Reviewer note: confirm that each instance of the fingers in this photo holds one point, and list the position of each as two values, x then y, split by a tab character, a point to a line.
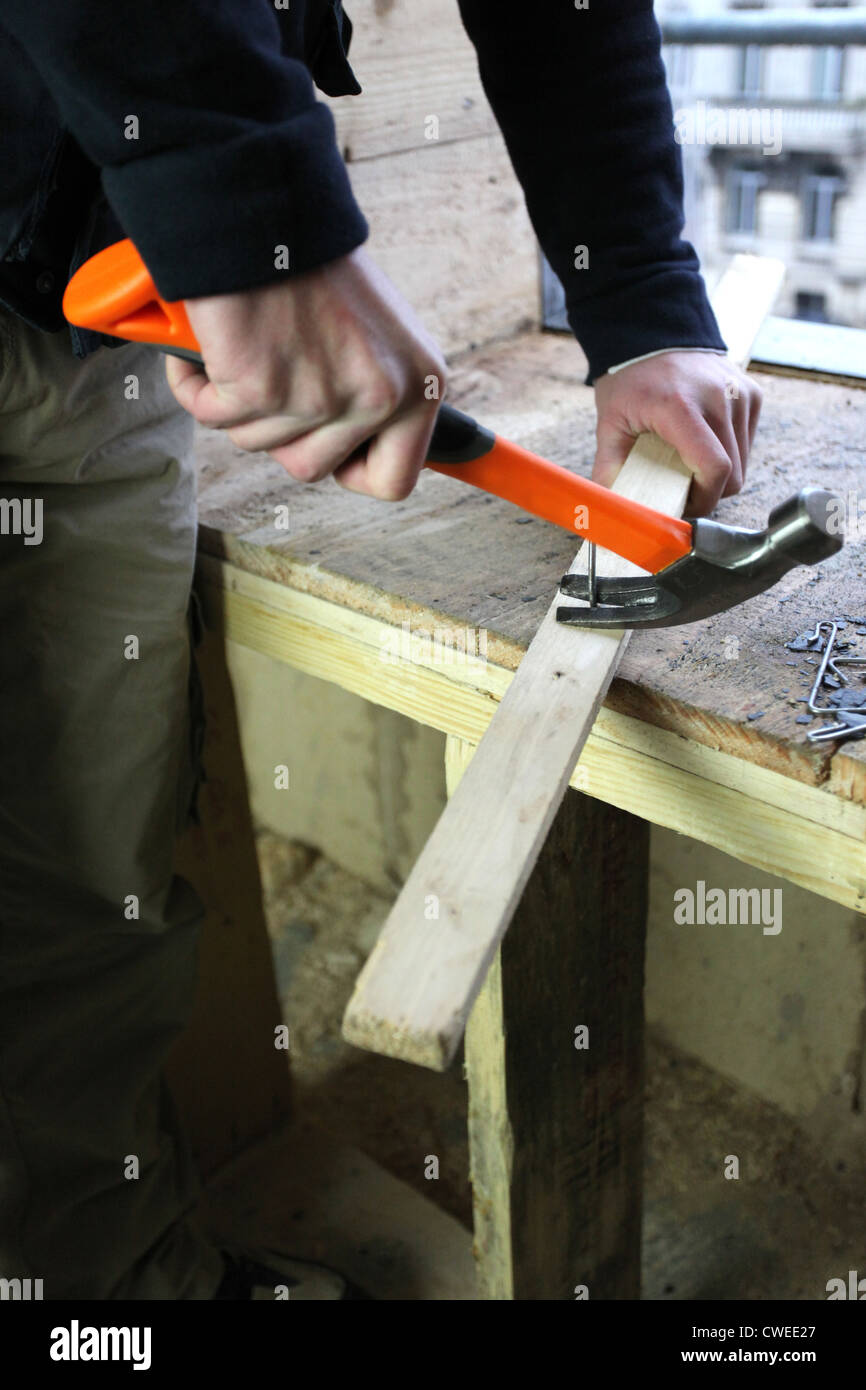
708	446
235	404
313	456
739	420
213	405
375	453
393	459
734	424
705	407
745	407
327	371
719	486
712	456
185	380
756	396
378	462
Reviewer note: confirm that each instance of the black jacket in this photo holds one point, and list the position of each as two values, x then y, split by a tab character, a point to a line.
192	126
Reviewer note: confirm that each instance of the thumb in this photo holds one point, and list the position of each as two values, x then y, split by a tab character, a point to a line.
185	379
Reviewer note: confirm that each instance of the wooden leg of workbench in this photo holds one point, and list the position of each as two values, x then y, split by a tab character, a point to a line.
556	1115
230	1079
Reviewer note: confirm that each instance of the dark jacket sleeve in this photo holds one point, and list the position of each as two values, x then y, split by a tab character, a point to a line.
581	99
213	149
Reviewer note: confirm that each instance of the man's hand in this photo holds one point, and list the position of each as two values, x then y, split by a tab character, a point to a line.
699	402
328	372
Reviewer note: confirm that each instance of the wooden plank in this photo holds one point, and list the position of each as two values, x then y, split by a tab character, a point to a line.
742	299
308	1193
413	996
770	834
555	1130
801	824
411	65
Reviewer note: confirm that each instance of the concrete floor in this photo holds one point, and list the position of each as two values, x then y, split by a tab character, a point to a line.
793	1219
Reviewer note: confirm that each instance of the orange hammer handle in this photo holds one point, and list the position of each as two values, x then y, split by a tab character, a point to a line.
648	538
113	293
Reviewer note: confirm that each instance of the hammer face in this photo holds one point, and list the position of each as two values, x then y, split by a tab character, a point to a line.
726	566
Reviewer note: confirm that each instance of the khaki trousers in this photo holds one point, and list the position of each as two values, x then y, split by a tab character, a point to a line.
97	936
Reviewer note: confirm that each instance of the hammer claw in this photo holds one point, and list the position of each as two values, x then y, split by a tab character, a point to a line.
629	589
726	566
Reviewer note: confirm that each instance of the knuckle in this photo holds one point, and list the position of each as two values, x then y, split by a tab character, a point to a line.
645	393
379	397
668	396
304	473
318	407
260	396
716	468
303	470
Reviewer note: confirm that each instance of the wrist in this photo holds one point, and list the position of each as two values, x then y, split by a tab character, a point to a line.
662	352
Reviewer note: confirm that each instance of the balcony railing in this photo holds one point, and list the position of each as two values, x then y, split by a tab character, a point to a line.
780	26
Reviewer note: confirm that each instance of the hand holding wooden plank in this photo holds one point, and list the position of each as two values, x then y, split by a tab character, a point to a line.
413	997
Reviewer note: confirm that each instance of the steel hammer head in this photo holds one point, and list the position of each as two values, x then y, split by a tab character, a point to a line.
725	566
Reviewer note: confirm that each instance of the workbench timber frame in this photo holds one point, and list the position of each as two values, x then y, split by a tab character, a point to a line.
750	812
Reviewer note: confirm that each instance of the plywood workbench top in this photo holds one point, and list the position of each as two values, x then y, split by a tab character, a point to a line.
456	557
